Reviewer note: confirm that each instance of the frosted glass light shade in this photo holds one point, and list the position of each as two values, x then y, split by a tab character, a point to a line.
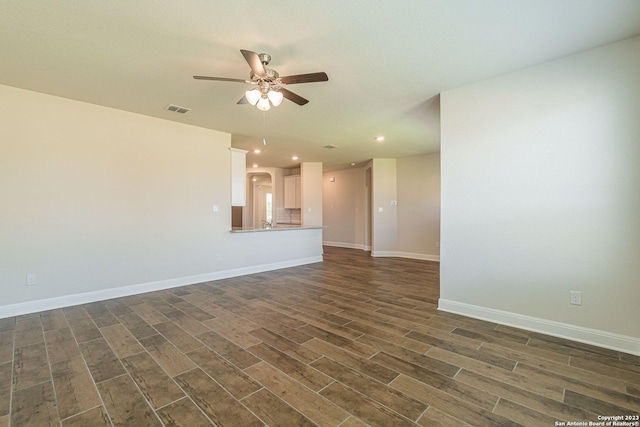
252	96
275	98
263	104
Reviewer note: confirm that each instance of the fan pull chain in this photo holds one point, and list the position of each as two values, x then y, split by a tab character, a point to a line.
264	121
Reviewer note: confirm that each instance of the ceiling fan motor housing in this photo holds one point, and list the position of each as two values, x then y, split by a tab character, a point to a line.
265	58
270	74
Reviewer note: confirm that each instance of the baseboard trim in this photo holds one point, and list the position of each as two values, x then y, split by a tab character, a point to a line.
89	297
344	245
424	257
396	254
360	246
590	336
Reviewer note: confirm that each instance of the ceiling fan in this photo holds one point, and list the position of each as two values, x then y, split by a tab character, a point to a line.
270	88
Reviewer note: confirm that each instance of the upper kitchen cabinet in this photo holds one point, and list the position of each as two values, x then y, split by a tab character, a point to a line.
292	199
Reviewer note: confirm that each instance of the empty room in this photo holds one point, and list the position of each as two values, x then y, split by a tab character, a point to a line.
362	213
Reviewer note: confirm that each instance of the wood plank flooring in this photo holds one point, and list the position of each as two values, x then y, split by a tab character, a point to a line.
353	341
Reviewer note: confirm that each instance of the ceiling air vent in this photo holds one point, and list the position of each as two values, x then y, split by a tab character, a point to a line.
330	146
177	109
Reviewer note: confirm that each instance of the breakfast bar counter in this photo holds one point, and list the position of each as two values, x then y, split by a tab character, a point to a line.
279	227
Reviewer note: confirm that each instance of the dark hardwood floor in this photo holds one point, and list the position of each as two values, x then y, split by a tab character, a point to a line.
352	341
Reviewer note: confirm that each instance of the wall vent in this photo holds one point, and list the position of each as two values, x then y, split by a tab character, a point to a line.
177	109
330	146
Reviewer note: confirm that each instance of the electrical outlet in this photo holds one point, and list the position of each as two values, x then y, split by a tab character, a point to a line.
32	279
576	297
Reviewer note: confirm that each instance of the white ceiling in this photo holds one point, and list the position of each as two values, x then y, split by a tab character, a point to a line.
387	61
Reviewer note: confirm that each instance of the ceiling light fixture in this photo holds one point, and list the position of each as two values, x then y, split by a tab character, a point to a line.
294	158
275	97
380	138
269	86
264	97
255	166
257	151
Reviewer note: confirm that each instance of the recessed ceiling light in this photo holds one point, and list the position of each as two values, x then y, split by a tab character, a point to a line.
380	138
352	164
255	165
257	151
294	158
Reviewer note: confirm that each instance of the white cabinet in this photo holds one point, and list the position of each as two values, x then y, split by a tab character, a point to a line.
292	192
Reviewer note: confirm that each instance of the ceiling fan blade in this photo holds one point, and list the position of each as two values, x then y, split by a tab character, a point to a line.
220	79
242	100
305	78
293	97
254	62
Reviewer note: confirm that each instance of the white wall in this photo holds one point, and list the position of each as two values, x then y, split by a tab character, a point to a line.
419	206
311	193
99	202
385	215
541	196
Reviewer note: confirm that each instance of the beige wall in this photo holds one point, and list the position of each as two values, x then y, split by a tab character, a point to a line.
419	206
409	229
344	208
541	194
99	202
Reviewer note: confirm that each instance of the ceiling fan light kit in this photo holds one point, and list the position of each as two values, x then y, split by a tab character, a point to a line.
253	96
263	104
264	99
270	89
275	97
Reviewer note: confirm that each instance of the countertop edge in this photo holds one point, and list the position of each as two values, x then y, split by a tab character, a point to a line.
259	230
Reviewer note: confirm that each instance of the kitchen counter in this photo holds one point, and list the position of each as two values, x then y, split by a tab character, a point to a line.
278	227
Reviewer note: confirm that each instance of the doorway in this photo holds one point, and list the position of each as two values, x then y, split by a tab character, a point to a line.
263	203
260	200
